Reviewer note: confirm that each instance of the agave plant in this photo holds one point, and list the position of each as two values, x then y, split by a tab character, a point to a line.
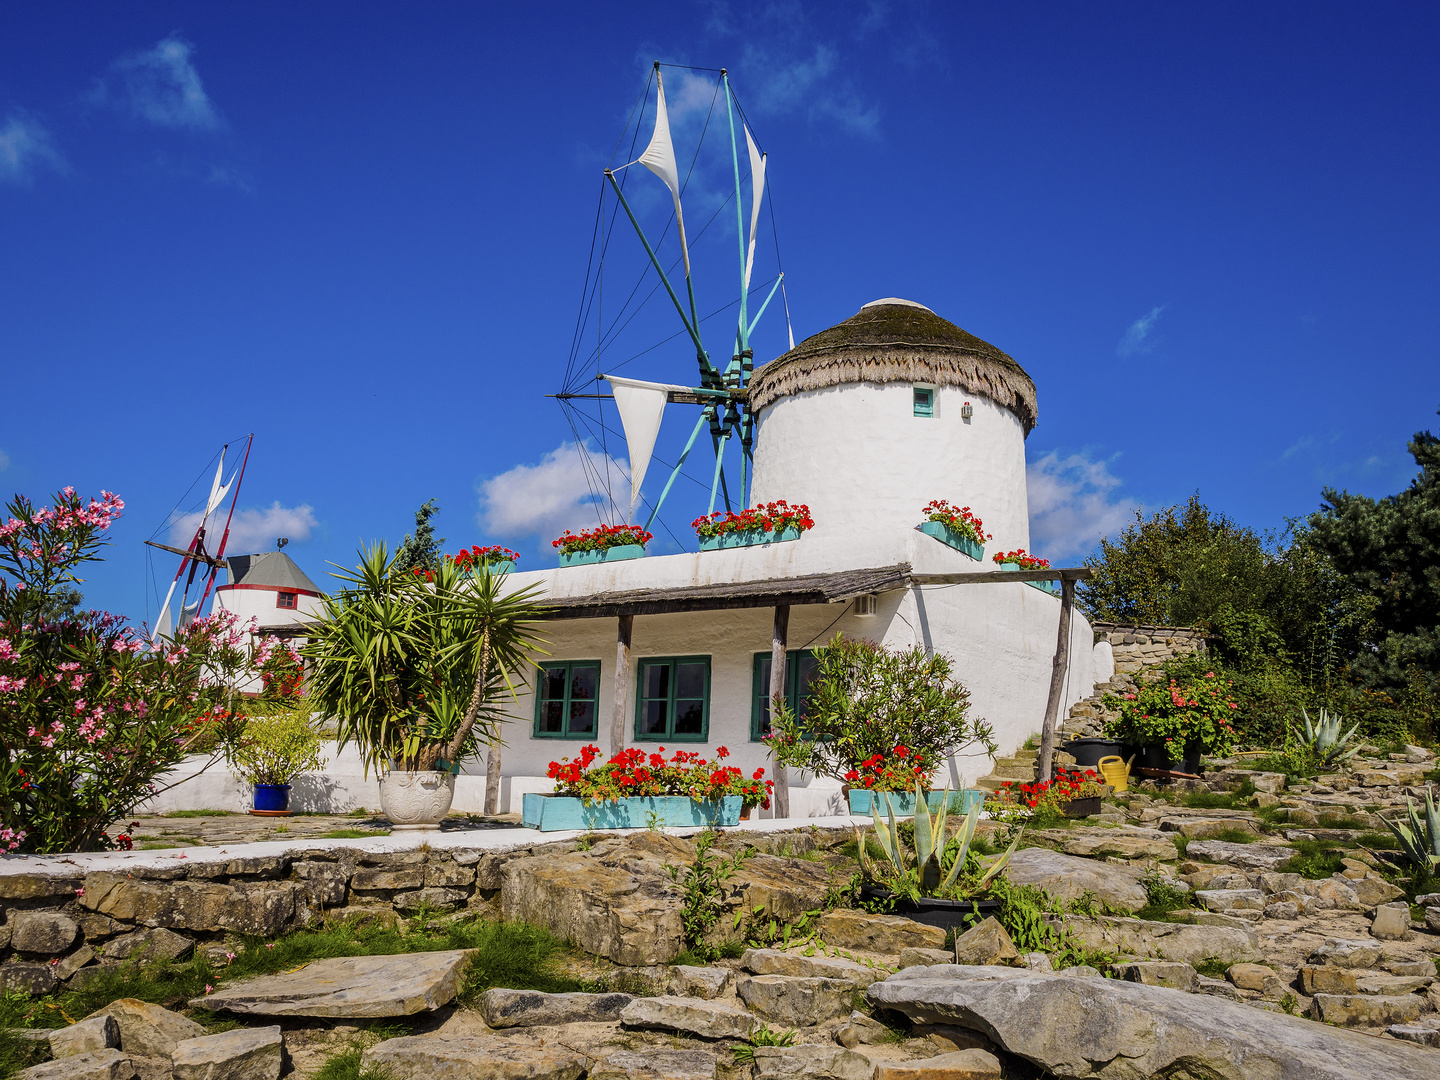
926	875
1419	842
1325	740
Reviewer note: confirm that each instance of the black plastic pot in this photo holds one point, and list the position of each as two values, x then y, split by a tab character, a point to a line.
1082	808
1158	757
1088	752
958	915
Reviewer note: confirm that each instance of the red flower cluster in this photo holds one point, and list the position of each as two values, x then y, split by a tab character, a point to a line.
477	556
1068	784
767	517
601	538
961	521
901	771
633	772
1023	559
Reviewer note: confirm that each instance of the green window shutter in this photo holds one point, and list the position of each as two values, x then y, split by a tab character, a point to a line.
567	700
924	401
672	699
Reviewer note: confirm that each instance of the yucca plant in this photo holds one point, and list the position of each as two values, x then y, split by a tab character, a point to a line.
1325	741
1420	842
926	875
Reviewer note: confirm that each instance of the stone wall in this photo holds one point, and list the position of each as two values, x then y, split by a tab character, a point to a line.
1135	647
63	924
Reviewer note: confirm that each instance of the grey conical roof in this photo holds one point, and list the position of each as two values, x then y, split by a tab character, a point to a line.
272	568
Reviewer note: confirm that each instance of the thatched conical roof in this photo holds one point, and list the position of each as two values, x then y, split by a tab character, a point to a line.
897	340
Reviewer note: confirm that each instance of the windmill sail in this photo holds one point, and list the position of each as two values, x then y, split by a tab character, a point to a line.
757	182
641	406
659	158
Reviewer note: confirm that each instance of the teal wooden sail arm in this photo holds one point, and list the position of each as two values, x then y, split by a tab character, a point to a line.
689	445
773	289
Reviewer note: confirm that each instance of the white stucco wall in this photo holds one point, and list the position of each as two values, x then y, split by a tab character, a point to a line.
863	462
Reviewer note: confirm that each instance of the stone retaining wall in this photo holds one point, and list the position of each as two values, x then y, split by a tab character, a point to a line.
64	925
1141	646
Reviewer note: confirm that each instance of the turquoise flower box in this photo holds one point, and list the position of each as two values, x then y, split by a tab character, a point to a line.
614	554
499	566
903	802
726	541
1048	587
959	541
553	813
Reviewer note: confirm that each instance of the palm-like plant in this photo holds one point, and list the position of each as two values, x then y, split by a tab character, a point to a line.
1325	741
1420	842
414	666
926	875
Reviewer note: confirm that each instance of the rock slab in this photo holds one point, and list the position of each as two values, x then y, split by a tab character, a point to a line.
355	986
972	1064
811	1063
1069	877
707	1019
795	1002
95	1033
655	1065
149	1030
96	1065
241	1054
775	962
527	1008
440	1057
1108	1029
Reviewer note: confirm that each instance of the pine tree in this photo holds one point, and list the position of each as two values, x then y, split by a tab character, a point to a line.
420	550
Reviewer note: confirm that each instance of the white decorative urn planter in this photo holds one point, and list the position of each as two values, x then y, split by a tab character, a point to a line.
416	800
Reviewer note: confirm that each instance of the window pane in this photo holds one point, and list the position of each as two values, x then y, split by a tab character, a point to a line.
652	717
552	714
655	681
805	668
689	680
762	683
689	716
582	718
583	681
552	683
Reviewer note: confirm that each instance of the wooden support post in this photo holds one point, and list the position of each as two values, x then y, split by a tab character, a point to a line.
1057	678
621	716
780	798
492	778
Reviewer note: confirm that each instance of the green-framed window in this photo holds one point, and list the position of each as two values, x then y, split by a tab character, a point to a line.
672	699
924	401
800	666
567	700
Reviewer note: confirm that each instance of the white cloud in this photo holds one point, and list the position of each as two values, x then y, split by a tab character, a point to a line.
1137	338
805	85
161	86
24	147
544	500
1070	504
251	529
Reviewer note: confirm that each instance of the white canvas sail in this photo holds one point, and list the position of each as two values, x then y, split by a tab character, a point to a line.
641	406
659	158
757	183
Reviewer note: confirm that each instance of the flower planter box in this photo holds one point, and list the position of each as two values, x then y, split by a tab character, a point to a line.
1082	808
903	802
958	915
598	555
552	813
1047	587
948	536
727	541
500	566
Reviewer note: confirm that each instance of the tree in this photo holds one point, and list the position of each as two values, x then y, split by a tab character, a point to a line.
1390	549
420	550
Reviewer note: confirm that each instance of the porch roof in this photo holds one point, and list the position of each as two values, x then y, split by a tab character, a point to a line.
830	588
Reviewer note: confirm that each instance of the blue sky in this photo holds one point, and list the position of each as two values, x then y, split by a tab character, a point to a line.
1209	232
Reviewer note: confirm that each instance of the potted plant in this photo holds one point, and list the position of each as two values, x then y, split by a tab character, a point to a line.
604	543
415	667
1020	559
768	523
890	781
938	883
275	747
960	529
635	789
500	560
1080	792
1173	723
872	711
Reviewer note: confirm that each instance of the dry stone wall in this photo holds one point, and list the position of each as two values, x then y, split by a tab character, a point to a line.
1135	648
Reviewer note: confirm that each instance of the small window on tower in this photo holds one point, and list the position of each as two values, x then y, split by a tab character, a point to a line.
285	599
924	401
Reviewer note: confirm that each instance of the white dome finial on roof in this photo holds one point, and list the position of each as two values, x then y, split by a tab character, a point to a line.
896	300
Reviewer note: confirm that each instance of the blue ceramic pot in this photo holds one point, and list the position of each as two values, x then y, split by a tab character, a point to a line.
272	797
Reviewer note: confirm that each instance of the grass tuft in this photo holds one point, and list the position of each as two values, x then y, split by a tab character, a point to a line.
1383	841
1314	859
1234	836
351	834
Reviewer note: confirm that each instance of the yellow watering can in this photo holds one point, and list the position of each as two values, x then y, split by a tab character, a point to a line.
1116	771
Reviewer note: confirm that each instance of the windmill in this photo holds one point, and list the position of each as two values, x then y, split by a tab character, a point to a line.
196	555
720	389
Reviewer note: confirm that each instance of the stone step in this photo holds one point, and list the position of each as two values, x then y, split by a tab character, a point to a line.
1014	772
